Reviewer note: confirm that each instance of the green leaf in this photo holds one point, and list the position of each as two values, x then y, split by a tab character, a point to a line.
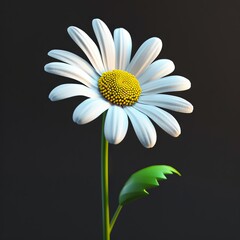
138	183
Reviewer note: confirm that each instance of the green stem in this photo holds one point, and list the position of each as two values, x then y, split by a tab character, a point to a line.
115	216
104	184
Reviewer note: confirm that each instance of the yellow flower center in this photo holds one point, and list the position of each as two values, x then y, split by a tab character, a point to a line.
119	87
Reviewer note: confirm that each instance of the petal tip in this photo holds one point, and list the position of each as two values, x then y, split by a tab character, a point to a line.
172	65
51	97
157	40
76	119
177	133
190	109
149	144
46	67
187	82
50	53
114	141
71	29
97	21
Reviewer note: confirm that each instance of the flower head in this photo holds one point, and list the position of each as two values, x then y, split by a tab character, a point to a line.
124	87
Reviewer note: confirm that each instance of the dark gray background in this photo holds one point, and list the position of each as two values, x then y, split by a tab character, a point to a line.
50	167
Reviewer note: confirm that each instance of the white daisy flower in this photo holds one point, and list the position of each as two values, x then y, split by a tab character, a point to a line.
124	87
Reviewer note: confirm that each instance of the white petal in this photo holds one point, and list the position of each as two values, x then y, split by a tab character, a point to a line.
167	84
143	127
88	47
156	70
71	90
69	71
116	124
89	110
173	103
162	118
123	45
106	43
145	55
75	60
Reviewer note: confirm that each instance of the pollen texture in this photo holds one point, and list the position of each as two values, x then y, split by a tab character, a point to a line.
119	87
